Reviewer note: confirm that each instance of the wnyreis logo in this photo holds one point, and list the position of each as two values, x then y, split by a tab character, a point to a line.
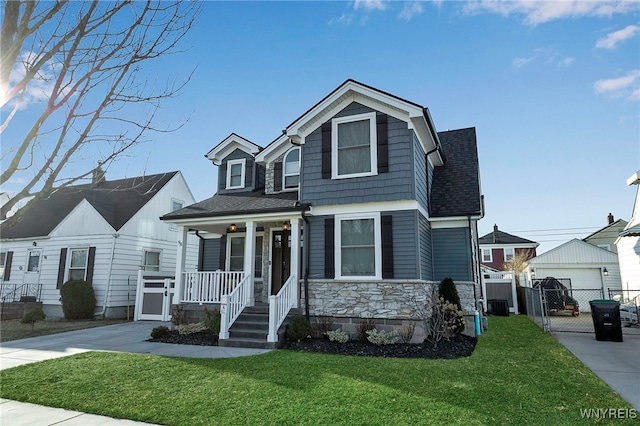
608	413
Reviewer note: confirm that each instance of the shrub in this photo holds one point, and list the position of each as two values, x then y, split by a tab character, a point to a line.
34	315
323	324
299	328
178	315
159	332
338	336
445	321
364	326
406	332
196	327
78	300
382	337
213	320
448	291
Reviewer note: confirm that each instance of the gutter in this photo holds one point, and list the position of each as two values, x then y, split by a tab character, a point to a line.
106	292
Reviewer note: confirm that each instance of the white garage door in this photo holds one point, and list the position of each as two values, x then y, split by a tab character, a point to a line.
580	278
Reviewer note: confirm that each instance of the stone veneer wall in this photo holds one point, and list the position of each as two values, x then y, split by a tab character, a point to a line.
388	302
269	172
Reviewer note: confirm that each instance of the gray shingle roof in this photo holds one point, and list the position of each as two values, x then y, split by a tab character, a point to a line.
116	201
455	189
240	203
500	237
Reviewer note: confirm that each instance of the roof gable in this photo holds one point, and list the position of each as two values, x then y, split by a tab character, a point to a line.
116	201
455	190
230	144
416	116
576	251
504	238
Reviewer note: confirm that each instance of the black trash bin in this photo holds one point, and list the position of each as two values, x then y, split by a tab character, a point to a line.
606	320
498	307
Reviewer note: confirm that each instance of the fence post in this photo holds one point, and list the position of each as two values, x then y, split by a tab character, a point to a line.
272	336
224	318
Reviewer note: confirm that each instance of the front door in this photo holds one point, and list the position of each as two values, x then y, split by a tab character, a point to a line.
280	259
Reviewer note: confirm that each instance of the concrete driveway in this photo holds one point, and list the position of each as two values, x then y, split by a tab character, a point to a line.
616	363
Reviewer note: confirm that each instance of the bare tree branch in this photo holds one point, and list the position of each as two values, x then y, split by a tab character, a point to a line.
82	64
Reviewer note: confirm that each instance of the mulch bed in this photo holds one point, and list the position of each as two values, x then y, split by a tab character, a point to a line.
458	347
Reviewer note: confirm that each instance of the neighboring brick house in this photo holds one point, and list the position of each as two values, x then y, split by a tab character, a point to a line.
349	213
499	247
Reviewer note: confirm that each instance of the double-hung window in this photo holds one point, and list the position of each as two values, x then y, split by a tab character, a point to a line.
175	205
486	256
358	246
235	254
77	269
509	254
291	169
353	146
235	173
151	260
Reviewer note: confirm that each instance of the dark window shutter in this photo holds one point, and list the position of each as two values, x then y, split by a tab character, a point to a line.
387	246
61	266
329	249
222	176
7	266
326	150
90	262
223	252
383	143
248	174
277	176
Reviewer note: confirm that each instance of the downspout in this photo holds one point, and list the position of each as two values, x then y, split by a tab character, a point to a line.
305	263
200	251
475	295
106	293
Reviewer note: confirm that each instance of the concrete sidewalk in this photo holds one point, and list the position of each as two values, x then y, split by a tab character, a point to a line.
127	337
616	363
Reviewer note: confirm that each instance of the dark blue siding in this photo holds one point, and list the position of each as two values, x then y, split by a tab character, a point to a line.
451	254
316	246
211	255
426	253
420	169
397	184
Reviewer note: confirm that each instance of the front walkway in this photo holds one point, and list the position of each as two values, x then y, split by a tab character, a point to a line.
127	337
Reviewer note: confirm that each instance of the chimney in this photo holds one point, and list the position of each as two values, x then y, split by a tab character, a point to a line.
610	219
98	176
495	233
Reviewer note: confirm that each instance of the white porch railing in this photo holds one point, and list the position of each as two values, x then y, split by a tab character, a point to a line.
232	304
279	307
209	287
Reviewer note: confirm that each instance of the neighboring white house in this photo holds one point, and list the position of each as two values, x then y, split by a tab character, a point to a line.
103	232
587	266
628	244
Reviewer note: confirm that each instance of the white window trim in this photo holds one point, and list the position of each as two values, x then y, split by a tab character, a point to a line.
174	226
284	170
373	144
67	269
490	255
26	268
3	265
504	253
227	257
243	162
144	252
377	232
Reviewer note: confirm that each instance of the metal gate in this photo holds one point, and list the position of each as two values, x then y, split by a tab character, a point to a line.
154	295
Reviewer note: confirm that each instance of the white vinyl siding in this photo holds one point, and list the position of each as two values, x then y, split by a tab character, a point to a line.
353	146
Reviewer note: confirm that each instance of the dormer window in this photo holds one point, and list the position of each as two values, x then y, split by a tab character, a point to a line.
291	169
235	173
353	148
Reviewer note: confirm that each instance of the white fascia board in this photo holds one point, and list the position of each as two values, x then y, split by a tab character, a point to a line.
385	206
223	220
276	148
228	145
452	222
634	179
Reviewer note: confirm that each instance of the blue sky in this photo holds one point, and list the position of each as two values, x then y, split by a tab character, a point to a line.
553	90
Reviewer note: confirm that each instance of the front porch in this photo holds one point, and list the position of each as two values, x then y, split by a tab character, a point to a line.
259	263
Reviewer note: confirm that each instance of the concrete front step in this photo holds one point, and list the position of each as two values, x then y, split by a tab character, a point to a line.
251	328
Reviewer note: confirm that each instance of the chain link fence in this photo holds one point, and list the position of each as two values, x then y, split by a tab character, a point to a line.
535	311
629	306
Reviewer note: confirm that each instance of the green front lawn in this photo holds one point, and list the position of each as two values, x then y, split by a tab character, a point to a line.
13	330
517	375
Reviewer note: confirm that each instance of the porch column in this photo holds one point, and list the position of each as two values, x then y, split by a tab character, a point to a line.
250	257
181	254
295	259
